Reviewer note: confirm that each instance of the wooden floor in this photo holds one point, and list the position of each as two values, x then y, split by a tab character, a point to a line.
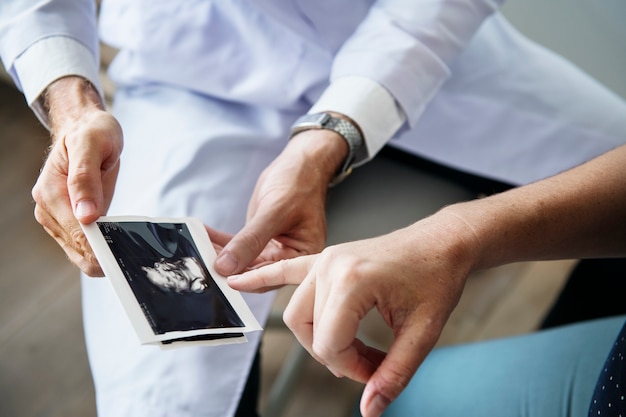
43	363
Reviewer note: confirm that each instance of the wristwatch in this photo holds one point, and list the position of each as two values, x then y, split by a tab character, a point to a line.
346	130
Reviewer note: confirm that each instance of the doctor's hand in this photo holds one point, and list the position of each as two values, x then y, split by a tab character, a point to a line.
414	277
77	180
286	214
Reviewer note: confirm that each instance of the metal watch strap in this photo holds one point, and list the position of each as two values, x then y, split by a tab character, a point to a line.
343	127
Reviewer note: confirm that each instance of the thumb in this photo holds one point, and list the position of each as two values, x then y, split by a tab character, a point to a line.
245	246
395	372
84	184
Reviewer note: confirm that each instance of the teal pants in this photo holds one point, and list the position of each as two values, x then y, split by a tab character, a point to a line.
550	373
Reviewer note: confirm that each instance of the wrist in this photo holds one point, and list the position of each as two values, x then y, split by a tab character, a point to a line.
69	99
323	151
341	127
461	239
493	232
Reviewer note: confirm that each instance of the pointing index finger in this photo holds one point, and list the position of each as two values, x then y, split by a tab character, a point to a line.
284	272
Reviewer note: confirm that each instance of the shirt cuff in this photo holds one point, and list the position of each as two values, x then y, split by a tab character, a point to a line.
369	105
48	60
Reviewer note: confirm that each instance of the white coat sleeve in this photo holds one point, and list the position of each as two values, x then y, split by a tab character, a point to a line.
42	41
387	72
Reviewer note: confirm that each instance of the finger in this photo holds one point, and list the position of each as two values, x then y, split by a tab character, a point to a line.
73	242
298	315
285	272
360	364
53	212
405	355
246	245
218	237
338	313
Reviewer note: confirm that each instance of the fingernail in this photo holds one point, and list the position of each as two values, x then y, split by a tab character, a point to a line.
226	264
376	407
233	277
85	208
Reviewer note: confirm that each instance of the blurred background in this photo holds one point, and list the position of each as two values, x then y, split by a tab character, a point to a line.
43	363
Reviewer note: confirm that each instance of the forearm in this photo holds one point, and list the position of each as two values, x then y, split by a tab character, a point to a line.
576	214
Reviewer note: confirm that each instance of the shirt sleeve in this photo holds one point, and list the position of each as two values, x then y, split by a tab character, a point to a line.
405	48
370	105
42	41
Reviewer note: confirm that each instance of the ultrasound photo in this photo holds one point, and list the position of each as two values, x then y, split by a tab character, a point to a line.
170	282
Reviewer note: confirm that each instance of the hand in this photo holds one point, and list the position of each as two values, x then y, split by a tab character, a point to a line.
77	180
286	214
414	277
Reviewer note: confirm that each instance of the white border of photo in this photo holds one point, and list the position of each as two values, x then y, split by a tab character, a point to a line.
140	323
